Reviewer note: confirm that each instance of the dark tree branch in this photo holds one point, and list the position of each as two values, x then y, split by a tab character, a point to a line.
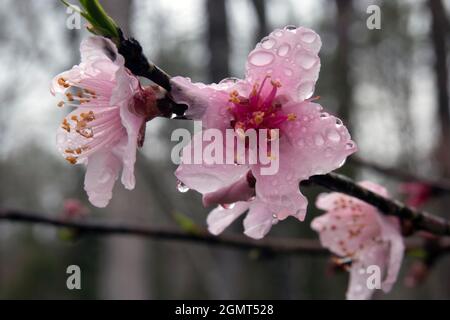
272	246
421	220
440	186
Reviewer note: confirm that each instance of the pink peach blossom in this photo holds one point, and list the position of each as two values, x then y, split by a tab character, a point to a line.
281	73
353	229
107	125
417	193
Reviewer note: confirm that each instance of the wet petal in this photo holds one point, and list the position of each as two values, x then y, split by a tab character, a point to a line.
289	56
102	172
220	218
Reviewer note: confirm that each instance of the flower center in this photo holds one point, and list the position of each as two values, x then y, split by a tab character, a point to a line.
261	110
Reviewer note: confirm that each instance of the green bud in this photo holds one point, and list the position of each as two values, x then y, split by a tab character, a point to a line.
100	23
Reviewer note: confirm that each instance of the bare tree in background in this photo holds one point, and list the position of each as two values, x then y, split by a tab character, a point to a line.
439	37
260	10
342	60
218	40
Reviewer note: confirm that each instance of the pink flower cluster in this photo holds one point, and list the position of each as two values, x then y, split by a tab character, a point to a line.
280	77
112	108
354	229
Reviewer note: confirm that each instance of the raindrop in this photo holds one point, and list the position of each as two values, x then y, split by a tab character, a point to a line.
324	115
278	33
290	28
333	136
283	50
268	43
105	177
338	122
300	143
305	90
181	187
288	72
274	216
261	58
229	80
349	145
228	205
308	37
306	60
328	152
318	140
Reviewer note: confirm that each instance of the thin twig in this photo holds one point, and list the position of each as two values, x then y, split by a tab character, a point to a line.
437	185
421	220
272	246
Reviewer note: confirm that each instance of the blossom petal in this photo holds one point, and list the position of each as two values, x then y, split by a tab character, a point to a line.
102	172
289	56
390	228
206	178
358	288
315	142
237	191
220	218
205	102
122	98
258	221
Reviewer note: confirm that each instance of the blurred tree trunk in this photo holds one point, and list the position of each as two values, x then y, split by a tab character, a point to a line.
439	37
218	41
342	60
260	10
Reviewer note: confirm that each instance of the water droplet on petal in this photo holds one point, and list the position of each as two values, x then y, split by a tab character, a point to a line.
181	187
324	115
290	28
333	136
268	43
228	205
288	72
283	50
300	143
318	140
305	90
278	33
349	145
261	58
338	122
308	37
105	177
306	60
229	80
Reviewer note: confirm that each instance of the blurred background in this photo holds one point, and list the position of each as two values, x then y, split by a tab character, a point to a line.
390	86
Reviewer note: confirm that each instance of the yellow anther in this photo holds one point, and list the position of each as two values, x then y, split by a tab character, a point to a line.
69	96
74	118
78	150
68	151
234	96
291	116
258	117
276	83
60	104
72	160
